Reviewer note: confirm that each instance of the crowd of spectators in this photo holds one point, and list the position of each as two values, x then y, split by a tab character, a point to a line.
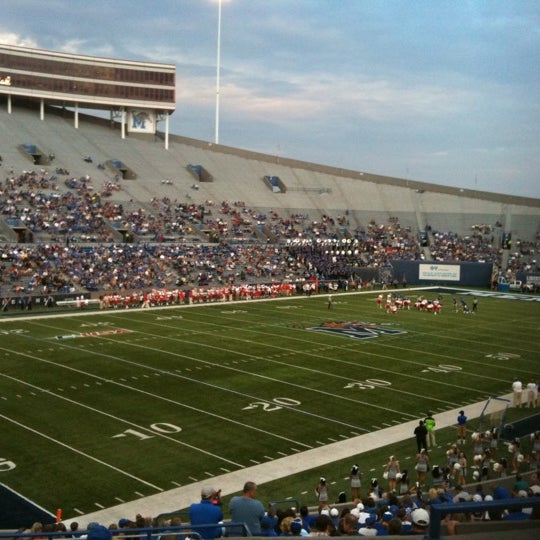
375	507
74	237
376	514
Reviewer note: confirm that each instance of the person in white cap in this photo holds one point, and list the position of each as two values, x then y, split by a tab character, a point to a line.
206	513
420	521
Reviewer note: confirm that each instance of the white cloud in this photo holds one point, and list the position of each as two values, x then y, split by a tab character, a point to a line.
11	38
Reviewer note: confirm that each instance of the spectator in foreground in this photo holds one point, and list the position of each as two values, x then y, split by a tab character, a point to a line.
248	509
205	513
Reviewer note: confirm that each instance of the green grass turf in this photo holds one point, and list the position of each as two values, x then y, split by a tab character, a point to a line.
190	393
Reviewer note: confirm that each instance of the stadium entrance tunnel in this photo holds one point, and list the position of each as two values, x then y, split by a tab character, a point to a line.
34	154
275	183
121	169
200	173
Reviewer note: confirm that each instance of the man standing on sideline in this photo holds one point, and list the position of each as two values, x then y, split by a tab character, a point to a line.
205	513
532	394
247	509
461	427
430	426
517	389
420	432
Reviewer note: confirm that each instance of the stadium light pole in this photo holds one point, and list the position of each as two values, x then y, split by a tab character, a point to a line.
218	71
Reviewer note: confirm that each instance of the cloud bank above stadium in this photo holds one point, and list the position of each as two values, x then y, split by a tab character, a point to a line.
443	93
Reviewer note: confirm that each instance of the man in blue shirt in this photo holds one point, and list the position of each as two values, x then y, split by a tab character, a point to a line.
206	513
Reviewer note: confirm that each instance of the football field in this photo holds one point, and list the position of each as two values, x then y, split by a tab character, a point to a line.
112	406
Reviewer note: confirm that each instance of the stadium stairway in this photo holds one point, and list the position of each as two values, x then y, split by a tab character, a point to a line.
229	483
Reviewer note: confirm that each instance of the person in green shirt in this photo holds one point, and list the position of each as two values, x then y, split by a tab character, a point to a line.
429	422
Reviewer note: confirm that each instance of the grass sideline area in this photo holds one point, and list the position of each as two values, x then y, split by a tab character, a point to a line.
301	487
118	405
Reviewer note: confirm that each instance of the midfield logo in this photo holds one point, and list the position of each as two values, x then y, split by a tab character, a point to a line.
356	329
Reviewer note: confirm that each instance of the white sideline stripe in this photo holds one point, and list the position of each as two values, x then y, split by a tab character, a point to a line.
81	453
26	499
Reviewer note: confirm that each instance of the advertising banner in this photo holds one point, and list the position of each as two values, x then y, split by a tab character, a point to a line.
439	272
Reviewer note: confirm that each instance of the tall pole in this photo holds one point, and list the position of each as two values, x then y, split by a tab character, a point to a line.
218	70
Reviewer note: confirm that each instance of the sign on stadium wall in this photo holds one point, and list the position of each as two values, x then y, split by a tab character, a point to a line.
439	272
141	121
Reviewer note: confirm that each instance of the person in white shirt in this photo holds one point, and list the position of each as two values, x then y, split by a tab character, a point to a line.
532	394
517	389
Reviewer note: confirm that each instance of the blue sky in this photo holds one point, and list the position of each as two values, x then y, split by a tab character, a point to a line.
438	91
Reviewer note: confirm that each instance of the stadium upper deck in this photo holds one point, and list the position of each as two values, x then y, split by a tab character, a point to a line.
87	184
89	80
139	93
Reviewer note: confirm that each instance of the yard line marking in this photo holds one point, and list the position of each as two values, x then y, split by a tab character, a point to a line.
162	398
158	372
99	505
284	382
118	419
386	344
311	370
84	454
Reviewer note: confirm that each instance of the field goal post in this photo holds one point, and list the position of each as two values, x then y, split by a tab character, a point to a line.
493	414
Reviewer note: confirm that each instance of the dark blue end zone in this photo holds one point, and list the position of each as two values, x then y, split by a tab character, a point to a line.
521	428
17	512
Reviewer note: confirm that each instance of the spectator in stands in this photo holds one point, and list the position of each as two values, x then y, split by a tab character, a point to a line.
348	525
420	521
368	528
269	522
74	528
323	526
248	509
206	513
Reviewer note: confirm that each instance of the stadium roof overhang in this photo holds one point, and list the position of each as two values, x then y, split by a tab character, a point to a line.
140	93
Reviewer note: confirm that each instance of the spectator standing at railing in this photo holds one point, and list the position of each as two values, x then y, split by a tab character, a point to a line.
248	509
206	512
